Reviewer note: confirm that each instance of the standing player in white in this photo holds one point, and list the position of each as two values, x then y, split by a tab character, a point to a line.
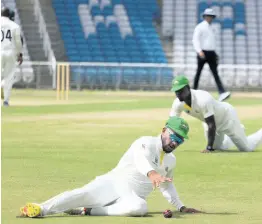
222	126
11	51
123	190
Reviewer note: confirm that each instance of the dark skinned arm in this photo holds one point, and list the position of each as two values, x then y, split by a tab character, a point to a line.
211	132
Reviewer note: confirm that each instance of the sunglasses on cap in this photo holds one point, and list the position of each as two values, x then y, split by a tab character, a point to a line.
174	137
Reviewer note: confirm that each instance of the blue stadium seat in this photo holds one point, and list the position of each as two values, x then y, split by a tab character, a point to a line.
202	6
91	71
81	1
74	58
227	3
241	32
95	11
107	43
116	70
227	24
108	10
103	71
114	2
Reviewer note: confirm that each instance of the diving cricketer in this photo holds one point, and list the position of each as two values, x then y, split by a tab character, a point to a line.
148	163
222	126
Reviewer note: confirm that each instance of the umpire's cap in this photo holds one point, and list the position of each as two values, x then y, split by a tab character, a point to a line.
209	12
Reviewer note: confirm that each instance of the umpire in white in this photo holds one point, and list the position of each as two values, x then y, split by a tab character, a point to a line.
204	44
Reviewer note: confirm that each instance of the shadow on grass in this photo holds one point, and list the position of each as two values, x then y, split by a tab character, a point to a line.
233	151
221	151
54	216
176	215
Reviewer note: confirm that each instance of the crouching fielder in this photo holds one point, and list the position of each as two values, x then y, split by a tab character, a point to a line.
222	126
148	163
11	48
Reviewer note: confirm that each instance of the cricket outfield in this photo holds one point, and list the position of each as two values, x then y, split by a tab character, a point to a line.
49	147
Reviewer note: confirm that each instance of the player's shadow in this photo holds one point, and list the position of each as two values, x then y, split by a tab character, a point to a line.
177	214
222	151
55	216
233	151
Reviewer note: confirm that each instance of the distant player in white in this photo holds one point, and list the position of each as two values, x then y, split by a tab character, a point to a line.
11	51
222	126
148	163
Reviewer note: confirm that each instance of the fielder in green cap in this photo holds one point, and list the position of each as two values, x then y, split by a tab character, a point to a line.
222	127
179	82
148	164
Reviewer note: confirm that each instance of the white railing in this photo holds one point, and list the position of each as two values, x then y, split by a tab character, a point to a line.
244	76
45	36
148	65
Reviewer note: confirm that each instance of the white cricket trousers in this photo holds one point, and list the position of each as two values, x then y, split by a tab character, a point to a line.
102	196
8	63
234	134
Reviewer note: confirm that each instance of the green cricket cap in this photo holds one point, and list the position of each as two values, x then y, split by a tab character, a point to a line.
179	82
178	125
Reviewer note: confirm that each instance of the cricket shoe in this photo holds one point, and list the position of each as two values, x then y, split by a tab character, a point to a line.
224	96
30	210
79	211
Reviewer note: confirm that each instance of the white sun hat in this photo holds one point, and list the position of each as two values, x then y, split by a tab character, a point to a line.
209	12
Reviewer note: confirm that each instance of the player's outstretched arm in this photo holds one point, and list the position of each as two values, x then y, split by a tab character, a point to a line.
170	193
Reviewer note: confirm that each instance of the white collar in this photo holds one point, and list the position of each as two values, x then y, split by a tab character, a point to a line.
209	24
192	99
4	17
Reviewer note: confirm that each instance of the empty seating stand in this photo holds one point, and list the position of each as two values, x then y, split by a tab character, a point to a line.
237	27
238	31
110	31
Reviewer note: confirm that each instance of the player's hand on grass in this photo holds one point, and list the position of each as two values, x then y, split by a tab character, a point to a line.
157	179
189	210
206	151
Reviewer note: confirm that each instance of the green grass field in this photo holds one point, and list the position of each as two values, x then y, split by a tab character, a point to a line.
49	147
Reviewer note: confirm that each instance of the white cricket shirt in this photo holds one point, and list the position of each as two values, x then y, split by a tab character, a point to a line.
144	155
203	105
204	37
10	36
